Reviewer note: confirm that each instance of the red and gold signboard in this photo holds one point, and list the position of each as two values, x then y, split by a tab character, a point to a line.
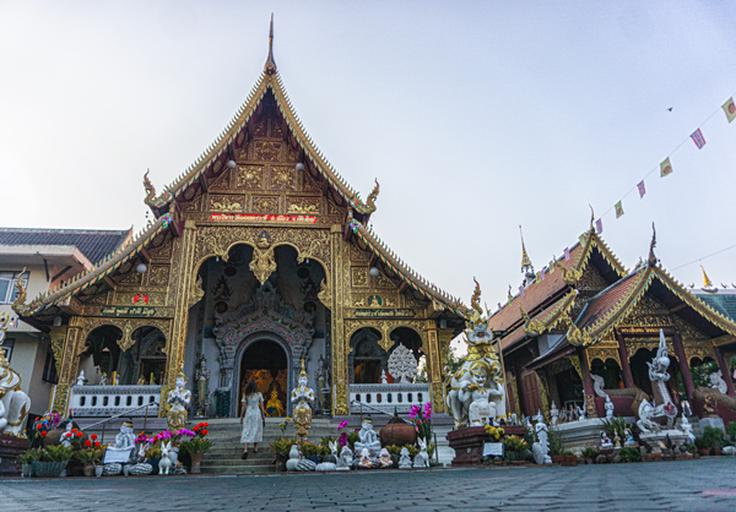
263	217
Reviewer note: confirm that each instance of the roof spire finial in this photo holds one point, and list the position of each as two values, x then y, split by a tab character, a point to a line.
592	217
707	283
527	269
652	260
270	67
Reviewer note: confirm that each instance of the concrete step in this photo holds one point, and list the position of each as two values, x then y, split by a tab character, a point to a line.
250	461
239	470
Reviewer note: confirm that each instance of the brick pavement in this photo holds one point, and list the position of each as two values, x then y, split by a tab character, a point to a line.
706	484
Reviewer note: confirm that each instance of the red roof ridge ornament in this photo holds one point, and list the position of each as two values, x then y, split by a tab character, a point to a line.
269	67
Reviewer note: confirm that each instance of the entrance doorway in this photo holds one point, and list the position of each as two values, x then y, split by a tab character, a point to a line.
265	362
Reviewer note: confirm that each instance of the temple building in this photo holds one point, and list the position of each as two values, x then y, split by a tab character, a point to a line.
585	323
259	256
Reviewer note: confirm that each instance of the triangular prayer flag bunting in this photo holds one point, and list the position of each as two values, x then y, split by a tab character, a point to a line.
567	254
698	138
642	188
665	167
619	207
599	226
542	273
730	109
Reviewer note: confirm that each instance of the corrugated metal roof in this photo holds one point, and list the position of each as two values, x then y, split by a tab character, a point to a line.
95	244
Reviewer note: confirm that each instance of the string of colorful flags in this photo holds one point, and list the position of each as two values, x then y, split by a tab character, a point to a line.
665	166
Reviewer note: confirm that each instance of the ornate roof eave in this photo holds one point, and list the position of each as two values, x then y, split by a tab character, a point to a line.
410	276
267	80
588	241
558	315
124	253
709	313
604	325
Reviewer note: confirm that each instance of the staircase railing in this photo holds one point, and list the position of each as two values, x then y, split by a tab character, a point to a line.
379	411
126	412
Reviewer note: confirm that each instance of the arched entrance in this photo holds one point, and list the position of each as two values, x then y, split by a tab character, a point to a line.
264	360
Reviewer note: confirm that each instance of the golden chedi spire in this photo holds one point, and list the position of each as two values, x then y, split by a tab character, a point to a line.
707	283
270	66
527	269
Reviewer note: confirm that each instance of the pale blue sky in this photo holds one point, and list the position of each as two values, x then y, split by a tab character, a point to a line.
475	116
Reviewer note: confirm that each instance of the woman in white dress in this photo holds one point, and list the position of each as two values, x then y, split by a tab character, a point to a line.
253	418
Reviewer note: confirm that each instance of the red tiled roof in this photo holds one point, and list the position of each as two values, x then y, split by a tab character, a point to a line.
536	294
599	305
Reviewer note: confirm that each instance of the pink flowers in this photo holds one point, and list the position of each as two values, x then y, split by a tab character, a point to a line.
186	432
414	411
342	440
142	438
428	410
342	425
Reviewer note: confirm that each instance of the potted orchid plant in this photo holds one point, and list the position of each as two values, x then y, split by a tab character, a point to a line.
422	418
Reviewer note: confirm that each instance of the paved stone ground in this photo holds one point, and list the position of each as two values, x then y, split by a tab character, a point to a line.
706	484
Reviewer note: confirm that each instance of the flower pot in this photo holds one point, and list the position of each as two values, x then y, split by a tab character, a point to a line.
99	468
153	461
557	459
26	470
196	463
718	451
314	458
570	460
48	469
88	469
75	468
704	451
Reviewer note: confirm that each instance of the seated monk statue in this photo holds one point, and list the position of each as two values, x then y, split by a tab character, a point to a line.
274	406
368	438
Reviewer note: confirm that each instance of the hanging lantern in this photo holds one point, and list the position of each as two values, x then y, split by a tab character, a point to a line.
374	272
231	164
141	267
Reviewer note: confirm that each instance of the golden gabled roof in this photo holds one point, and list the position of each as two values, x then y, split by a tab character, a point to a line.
87	278
406	273
609	308
268	80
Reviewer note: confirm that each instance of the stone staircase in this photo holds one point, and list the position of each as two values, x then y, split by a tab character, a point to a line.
224	456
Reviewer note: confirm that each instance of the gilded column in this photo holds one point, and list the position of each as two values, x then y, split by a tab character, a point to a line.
435	368
67	364
181	287
340	278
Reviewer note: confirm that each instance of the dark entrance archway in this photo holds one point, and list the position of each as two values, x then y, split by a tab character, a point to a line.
265	361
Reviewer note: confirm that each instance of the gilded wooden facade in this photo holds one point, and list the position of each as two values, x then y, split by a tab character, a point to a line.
264	184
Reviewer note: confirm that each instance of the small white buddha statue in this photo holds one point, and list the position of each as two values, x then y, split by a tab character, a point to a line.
368	438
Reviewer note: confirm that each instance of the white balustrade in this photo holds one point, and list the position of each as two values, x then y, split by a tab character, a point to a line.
387	397
103	401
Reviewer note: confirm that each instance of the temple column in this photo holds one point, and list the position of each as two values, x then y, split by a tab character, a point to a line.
340	274
724	371
435	368
67	363
182	286
587	384
687	377
623	354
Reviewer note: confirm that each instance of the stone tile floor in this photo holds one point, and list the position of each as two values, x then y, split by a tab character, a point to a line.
706	484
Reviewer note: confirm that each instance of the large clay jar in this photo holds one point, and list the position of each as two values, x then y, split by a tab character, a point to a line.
398	432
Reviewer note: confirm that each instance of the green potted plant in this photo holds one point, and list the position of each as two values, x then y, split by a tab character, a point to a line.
630	454
712	440
281	447
311	451
555	446
590	454
89	457
569	458
731	431
52	462
27	458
